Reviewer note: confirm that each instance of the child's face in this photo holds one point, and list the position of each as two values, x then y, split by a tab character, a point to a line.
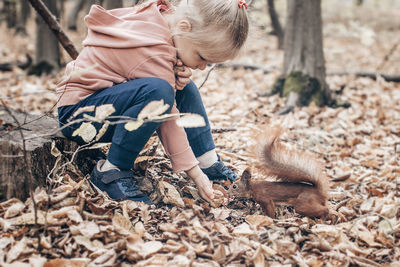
190	53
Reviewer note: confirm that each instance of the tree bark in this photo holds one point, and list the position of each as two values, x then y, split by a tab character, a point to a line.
73	16
303	40
10	8
14	169
112	4
276	25
304	77
47	52
24	12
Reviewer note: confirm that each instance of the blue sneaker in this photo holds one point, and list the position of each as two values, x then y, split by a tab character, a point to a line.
218	171
119	185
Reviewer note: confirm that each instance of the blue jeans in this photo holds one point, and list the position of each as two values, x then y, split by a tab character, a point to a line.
128	99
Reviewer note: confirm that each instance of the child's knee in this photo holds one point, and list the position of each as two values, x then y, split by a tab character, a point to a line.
162	89
191	89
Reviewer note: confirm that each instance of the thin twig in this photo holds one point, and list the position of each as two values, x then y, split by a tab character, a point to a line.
245	66
387	56
208	74
223	130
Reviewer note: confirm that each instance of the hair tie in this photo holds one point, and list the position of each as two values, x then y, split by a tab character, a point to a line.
162	5
242	3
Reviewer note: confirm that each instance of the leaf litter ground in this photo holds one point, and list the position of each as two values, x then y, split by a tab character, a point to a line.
76	226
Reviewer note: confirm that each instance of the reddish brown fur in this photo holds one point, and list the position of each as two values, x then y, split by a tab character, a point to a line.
304	185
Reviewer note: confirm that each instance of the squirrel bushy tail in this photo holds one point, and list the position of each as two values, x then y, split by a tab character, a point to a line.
288	165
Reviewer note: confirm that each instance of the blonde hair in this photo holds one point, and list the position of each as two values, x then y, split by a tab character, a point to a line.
220	27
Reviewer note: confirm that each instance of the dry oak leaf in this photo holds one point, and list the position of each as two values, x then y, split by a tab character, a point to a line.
87	243
180	260
104	257
170	194
88	228
136	245
371	163
14	210
258	220
220	196
220	254
365	235
156	260
122	224
37	260
139	229
71	212
17	249
243	230
29	218
286	247
77	262
258	258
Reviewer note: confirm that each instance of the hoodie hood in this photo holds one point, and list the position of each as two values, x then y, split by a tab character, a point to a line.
126	27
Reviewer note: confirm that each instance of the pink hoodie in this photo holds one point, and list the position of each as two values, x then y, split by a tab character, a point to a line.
125	44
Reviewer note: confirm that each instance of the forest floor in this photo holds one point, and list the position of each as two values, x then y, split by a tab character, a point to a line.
359	146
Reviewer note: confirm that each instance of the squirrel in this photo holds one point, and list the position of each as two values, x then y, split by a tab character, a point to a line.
302	184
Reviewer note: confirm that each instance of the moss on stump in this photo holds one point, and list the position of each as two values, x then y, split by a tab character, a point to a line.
308	88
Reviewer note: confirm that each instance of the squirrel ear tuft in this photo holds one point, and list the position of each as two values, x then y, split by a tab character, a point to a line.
246	175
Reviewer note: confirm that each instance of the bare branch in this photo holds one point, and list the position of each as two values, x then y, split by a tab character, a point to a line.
53	24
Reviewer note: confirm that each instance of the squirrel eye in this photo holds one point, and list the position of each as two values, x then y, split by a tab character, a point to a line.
234	186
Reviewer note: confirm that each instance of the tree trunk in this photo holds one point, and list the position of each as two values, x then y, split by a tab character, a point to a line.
47	56
10	8
73	15
276	25
303	40
25	167
24	12
79	5
111	4
304	64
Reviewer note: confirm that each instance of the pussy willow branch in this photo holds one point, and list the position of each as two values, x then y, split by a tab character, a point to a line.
123	119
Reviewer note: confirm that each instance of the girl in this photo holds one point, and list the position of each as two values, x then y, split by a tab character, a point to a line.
133	56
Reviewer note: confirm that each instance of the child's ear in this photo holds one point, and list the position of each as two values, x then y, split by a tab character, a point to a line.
184	25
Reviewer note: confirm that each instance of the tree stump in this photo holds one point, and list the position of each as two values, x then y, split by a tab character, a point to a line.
17	165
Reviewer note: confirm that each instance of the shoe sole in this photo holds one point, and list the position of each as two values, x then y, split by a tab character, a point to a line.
101	192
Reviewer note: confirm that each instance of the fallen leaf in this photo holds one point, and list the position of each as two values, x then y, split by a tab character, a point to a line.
76	262
170	194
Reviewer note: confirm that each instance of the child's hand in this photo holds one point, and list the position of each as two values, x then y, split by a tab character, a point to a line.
202	182
182	74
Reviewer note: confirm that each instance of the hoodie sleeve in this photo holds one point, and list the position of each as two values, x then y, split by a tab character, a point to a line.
176	145
173	137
